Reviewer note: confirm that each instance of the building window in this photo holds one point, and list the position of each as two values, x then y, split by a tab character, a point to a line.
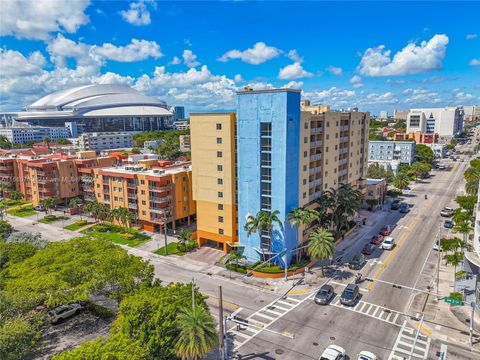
219	154
220	206
328	123
220	231
144	213
220	181
142	192
142	182
326	149
305	140
304	195
327	136
219	140
304	181
219	168
304	167
305	154
219	126
220	194
143	202
220	219
305	125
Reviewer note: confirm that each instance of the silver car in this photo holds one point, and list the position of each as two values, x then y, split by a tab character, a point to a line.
62	312
324	295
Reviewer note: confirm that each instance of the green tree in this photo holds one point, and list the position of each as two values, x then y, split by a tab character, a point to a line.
48	204
197	333
401	181
464	228
74	203
234	258
5	143
34	239
467	203
454	259
16	195
63	141
302	216
460	215
14	253
5	229
321	246
424	153
376	171
263	221
5	186
184	237
135	150
18	337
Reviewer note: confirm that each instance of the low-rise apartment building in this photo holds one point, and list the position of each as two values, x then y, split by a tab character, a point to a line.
22	135
386	151
185	143
103	141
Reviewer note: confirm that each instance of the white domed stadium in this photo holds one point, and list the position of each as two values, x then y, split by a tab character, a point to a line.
99	108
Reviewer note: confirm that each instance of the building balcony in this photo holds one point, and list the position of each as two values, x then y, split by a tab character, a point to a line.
132	196
315	144
314	196
344	150
132	205
344	139
315	157
161	219
316	130
46	173
160	188
4	167
106	200
87	179
343	172
87	188
344	128
343	161
131	185
88	197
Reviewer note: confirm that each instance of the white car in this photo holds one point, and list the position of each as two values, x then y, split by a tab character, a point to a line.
62	312
436	246
333	352
366	355
388	243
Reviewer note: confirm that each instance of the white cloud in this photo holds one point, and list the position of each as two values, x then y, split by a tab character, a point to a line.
356	81
293	71
190	59
137	14
137	50
175	61
61	48
464	97
33	19
412	59
421	96
475	62
13	63
293	85
238	78
293	55
471	36
335	70
259	86
256	55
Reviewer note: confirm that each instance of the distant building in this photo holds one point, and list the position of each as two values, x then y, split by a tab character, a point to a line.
103	141
446	122
181	125
179	113
418	137
21	135
400	114
152	144
402	151
185	145
383	115
376	190
440	150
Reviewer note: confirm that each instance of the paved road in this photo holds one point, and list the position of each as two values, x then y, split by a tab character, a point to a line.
380	322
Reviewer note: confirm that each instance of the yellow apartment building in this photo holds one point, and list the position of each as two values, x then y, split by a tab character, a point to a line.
214	178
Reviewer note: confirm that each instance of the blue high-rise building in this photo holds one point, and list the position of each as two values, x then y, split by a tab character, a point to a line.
268	133
179	113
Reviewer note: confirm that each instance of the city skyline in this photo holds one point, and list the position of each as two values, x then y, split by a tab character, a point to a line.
196	55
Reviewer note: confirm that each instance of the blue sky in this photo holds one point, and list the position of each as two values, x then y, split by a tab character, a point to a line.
374	55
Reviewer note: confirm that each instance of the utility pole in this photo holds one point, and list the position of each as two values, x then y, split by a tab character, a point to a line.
416	338
285	262
472	317
166	240
221	338
437	238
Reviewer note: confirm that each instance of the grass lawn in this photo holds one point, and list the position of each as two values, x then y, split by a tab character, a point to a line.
77	225
172	249
117	234
22	211
48	219
11	203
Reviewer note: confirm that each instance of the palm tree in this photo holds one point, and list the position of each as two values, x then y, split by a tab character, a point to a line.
91	208
184	237
321	246
454	259
464	228
299	216
74	204
459	215
263	221
400	181
4	185
198	334
234	257
471	187
48	204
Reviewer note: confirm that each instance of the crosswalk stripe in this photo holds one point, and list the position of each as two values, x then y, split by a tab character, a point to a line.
279	307
294	300
264	316
284	303
273	312
395	318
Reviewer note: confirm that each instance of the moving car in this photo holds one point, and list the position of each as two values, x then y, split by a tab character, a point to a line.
376	239
350	295
62	312
333	352
388	243
357	262
366	355
324	295
446	212
404	208
368	249
386	230
448	224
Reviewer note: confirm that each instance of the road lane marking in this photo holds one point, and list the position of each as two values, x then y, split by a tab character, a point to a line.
224	302
404	344
299	291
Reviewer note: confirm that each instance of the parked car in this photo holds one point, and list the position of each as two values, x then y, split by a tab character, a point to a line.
388	243
333	352
366	355
38	208
395	205
376	239
324	295
386	230
441	167
368	249
404	208
446	212
62	312
448	224
350	295
436	246
357	262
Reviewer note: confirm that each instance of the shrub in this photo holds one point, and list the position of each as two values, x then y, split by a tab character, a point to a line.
101	311
456	296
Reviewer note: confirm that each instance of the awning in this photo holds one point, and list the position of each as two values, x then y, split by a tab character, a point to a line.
234	244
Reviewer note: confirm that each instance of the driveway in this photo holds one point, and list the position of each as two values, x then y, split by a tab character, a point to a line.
206	254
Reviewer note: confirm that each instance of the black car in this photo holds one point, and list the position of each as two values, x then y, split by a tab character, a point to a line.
324	295
357	262
350	295
404	208
395	205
